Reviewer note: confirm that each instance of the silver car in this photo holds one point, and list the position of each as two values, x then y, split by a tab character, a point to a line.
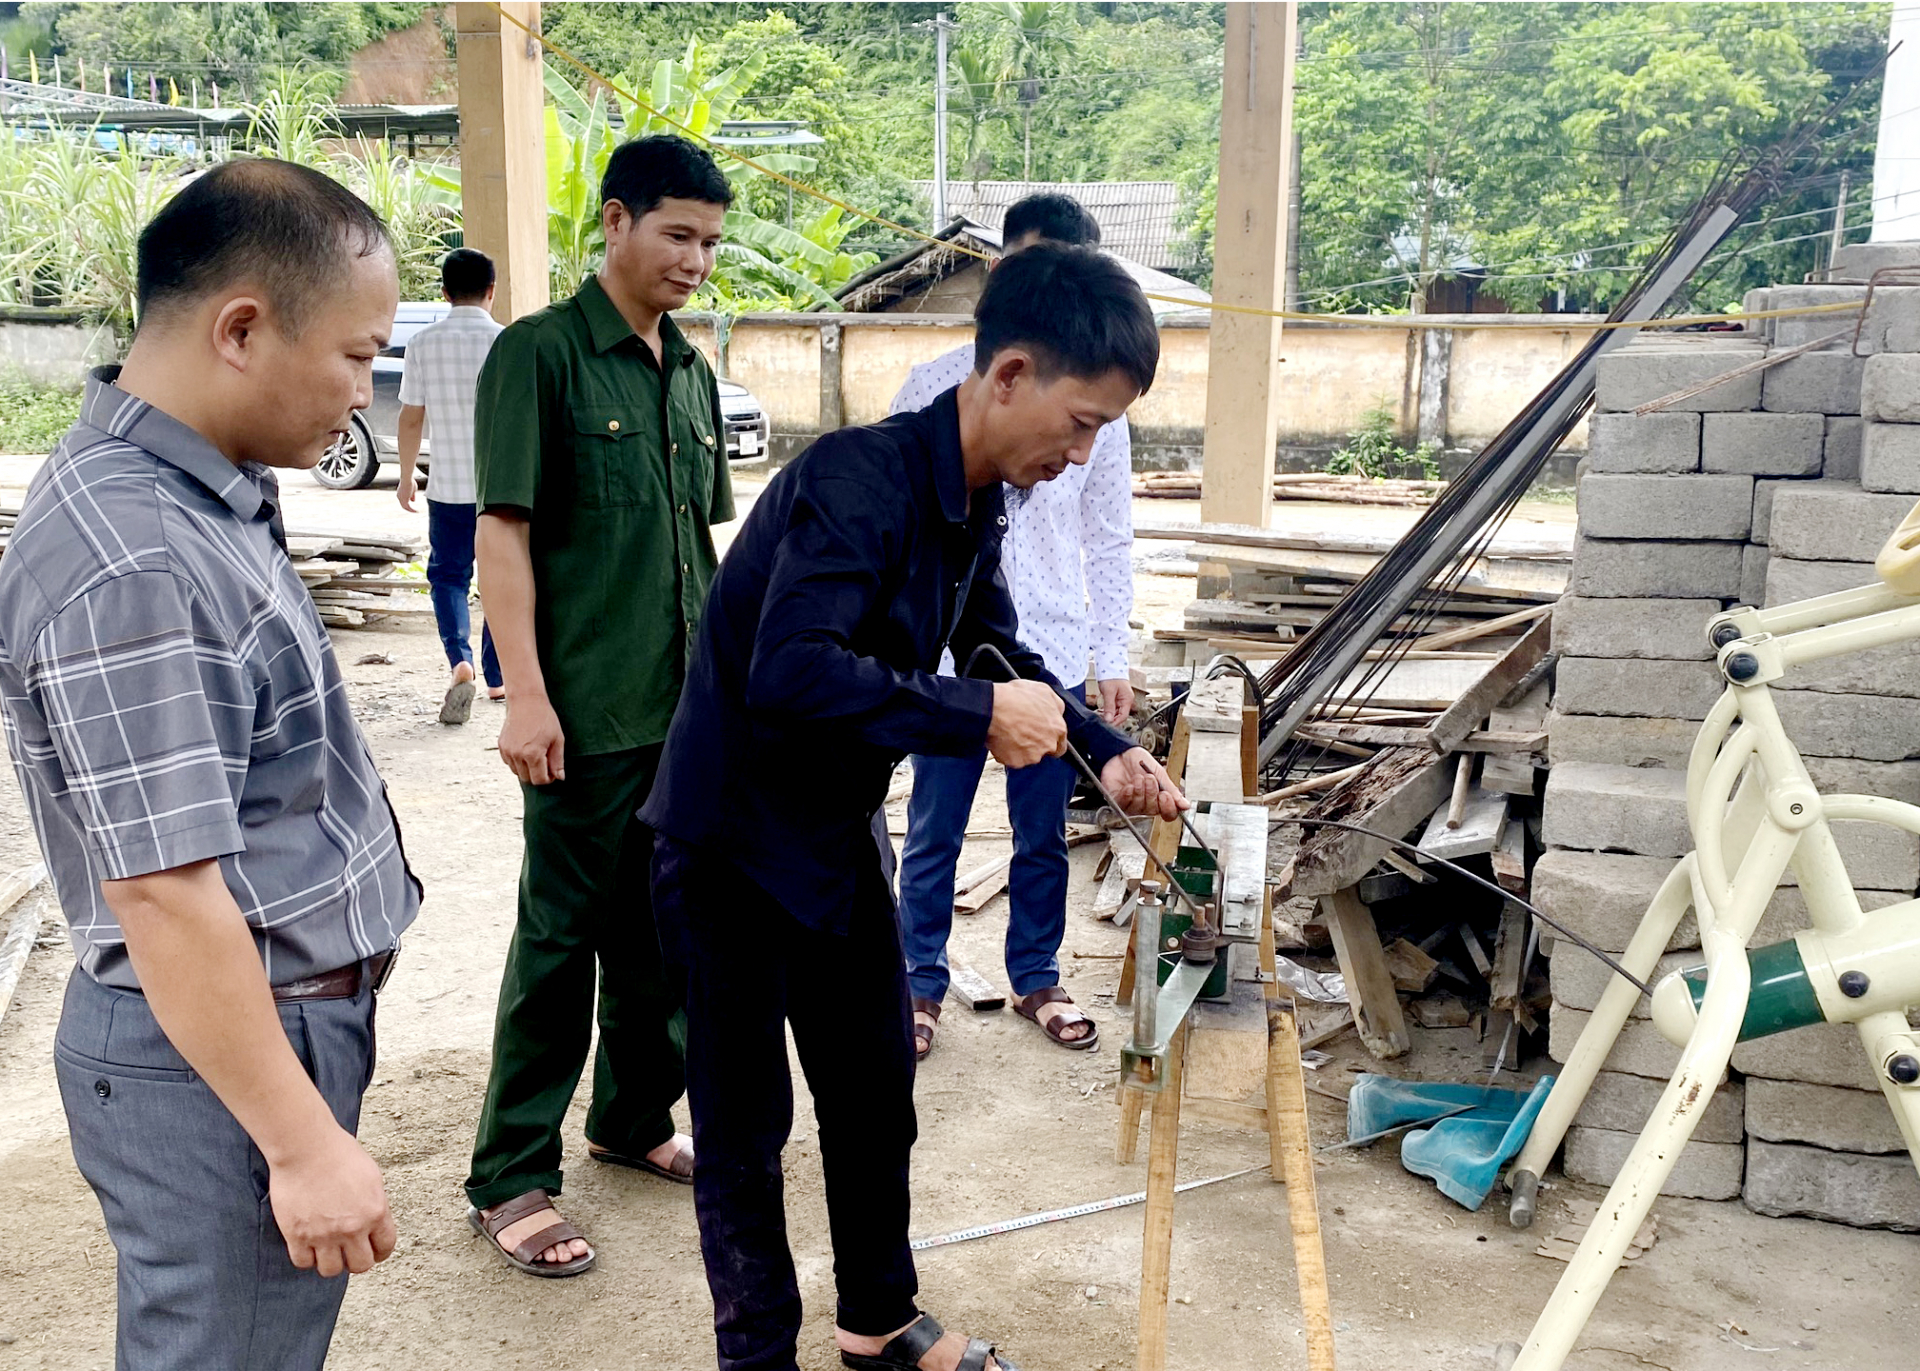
374	435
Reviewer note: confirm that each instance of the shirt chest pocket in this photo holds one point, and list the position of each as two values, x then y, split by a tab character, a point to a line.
614	464
692	449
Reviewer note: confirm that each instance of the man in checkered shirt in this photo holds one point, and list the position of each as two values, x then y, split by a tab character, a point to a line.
222	847
437	387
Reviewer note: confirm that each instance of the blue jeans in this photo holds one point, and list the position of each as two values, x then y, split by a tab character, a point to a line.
943	789
450	576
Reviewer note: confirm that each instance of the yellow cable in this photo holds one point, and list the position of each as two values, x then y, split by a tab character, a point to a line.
1344	320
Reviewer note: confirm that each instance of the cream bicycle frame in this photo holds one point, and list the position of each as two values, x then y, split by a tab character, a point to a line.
1754	813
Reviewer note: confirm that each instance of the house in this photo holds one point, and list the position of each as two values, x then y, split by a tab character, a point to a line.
946	277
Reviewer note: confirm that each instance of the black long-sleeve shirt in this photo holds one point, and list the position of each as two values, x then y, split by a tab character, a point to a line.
813	672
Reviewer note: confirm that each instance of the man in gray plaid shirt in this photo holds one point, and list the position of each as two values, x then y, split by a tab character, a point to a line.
221	844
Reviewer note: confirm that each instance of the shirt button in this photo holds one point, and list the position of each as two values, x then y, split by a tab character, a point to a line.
684	568
613	425
675	449
683	509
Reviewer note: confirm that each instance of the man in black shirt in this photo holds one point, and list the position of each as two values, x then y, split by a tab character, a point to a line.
867	556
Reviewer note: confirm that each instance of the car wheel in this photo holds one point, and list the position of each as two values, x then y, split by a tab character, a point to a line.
351	463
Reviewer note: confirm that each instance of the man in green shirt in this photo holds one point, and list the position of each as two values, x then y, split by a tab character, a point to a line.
601	466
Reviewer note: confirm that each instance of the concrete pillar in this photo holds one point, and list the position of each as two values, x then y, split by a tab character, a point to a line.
1896	157
503	162
833	413
1249	262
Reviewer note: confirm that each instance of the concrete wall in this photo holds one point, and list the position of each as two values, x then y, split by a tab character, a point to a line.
53	346
1476	377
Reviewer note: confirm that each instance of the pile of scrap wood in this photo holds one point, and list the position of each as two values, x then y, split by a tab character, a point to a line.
1282	583
1459	783
1311	485
353	577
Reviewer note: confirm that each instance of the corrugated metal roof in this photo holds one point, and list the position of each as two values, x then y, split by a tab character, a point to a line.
1136	218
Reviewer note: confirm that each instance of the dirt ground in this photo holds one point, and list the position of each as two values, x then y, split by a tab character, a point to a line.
1009	1125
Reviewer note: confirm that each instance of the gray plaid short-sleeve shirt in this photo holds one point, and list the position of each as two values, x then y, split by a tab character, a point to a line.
170	696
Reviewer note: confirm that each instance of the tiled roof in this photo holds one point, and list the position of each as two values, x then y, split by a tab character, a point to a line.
1136	218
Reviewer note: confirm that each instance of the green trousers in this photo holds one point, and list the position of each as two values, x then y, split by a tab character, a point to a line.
585	898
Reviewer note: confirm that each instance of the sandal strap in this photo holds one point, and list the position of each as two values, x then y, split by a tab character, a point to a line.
975	1357
1046	994
931	1008
914	1341
510	1212
551	1236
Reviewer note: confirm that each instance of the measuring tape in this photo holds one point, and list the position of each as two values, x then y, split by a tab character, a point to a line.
988	1230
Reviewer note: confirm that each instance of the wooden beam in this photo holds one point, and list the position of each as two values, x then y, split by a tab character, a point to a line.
1403	788
1291	1150
1249	254
1156	1246
1471	709
503	150
1376	1006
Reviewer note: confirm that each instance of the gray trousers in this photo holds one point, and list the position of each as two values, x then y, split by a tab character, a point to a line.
204	1278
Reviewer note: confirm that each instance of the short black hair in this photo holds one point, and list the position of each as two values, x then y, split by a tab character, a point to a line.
1075	309
662	166
466	274
1056	218
285	228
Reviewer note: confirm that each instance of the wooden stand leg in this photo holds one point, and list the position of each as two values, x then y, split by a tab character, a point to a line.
1132	1102
1269	958
1292	1149
1156	1248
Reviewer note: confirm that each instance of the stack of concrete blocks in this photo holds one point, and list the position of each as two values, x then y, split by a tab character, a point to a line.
1774	487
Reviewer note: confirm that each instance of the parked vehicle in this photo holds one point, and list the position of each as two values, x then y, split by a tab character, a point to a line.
373	437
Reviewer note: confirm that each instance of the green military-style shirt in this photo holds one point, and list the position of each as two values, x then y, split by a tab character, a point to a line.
619	462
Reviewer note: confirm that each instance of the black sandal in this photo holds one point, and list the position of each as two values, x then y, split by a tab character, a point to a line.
915	1341
923	1032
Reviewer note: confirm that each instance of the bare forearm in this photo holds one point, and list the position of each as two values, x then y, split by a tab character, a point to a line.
413	422
202	977
503	550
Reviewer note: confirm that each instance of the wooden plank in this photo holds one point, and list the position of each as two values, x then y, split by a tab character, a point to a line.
1238	835
1553	547
1228	1113
1504	577
1433	642
1509	775
1214	706
1156	1243
1370	993
1290	1149
1413	871
970	988
1129	864
1473	707
1325	781
1509	958
1412	970
17	945
983	892
1401	790
1510	858
1483	821
1379	735
1474	950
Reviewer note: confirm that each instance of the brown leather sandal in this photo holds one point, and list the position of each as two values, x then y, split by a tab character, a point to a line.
923	1032
526	1257
679	1170
1028	1007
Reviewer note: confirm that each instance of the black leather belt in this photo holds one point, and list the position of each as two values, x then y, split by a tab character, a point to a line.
342	983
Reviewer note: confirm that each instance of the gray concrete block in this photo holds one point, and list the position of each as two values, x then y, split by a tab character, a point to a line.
1601	808
1822	1115
1616	568
1763	444
1890	458
1804	328
1621	1103
1763	493
1890	388
1823	1054
1753	573
1832	521
1877	857
1650	442
1579	979
1637	688
1602	896
1620	741
1840	460
1787	913
1638	1051
1818	383
1673	630
1892	322
1825	724
1890	670
1634	376
1703	1171
1784	1179
1858	261
1621	505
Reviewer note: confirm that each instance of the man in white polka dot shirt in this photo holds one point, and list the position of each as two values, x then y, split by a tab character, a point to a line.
1068	562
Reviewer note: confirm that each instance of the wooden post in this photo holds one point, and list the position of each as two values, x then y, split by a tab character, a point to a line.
1165	842
503	159
1356	942
1292	1151
1156	1247
1249	263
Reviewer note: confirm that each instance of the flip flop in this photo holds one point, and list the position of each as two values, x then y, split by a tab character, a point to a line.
457	708
915	1341
923	1032
525	1257
1028	1007
672	1171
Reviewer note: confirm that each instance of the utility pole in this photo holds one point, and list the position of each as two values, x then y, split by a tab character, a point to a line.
1839	219
940	26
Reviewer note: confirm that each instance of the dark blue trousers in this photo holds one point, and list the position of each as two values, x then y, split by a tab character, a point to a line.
943	790
450	577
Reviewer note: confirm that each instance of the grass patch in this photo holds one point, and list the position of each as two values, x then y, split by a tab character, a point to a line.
34	417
